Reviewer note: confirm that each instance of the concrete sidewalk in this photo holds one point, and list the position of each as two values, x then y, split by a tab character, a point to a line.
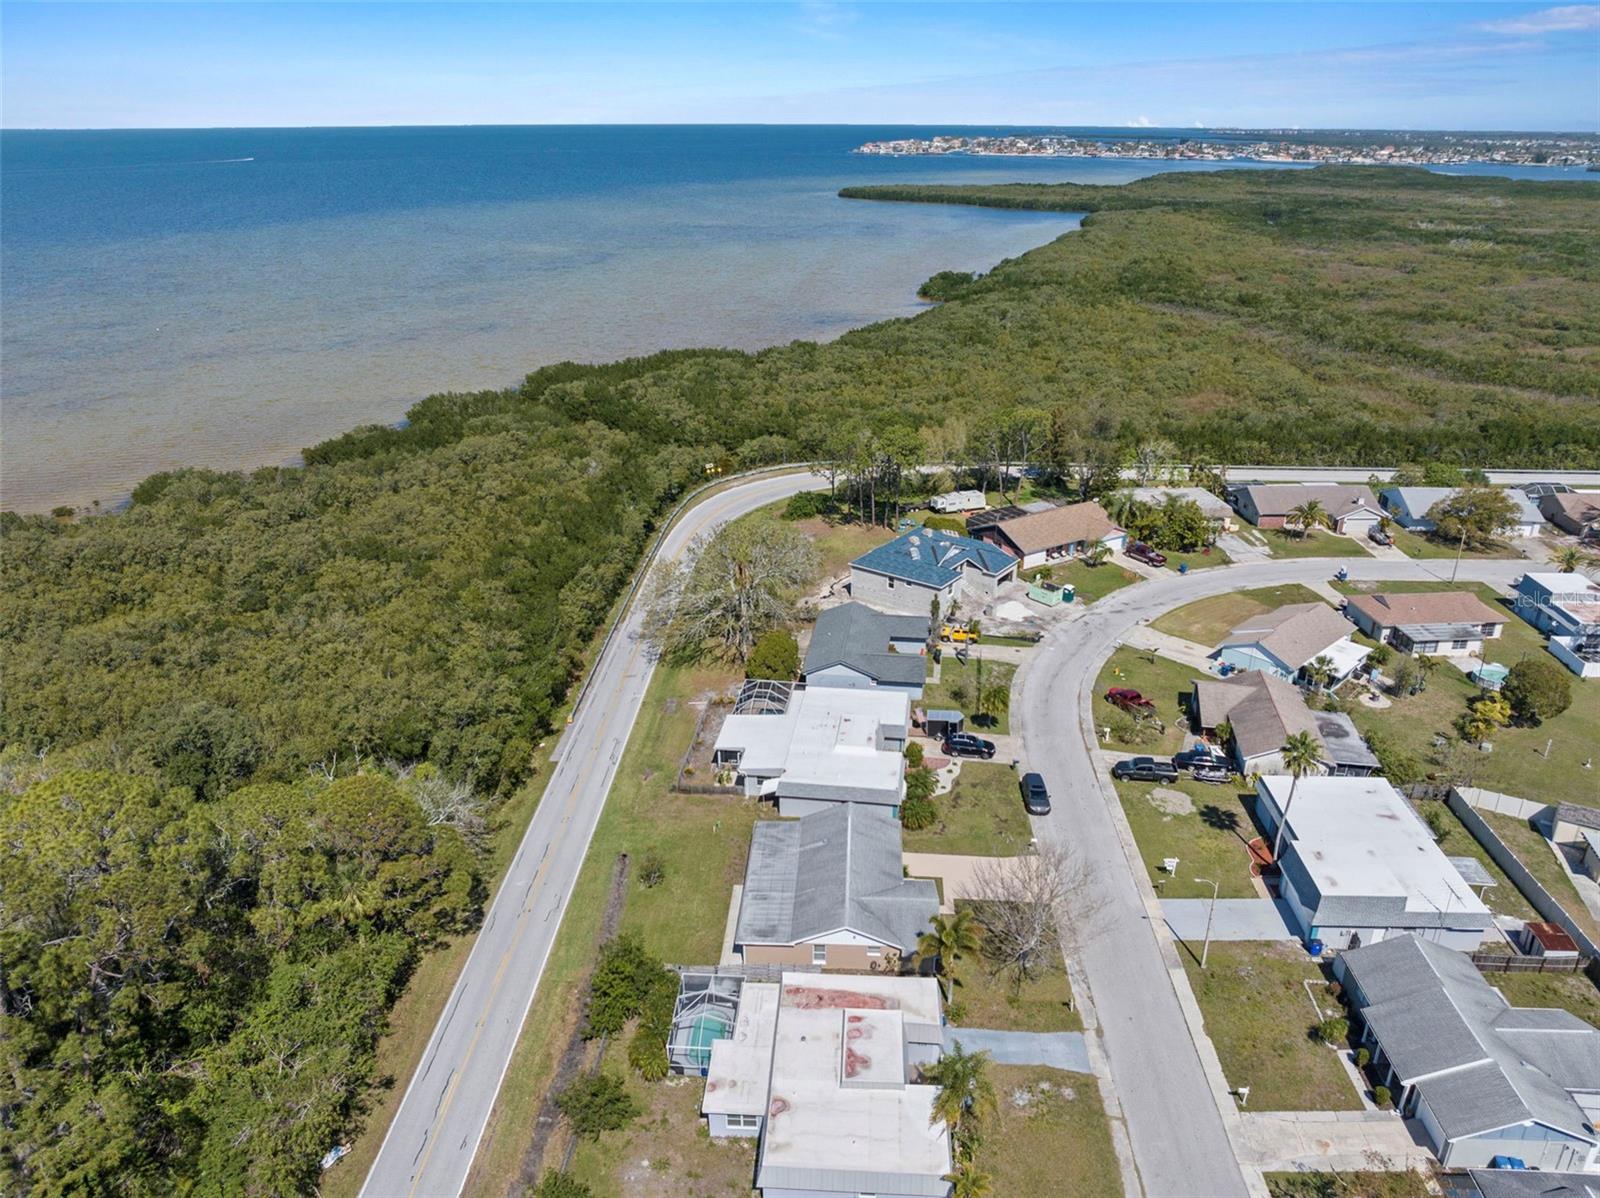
1235	919
1190	653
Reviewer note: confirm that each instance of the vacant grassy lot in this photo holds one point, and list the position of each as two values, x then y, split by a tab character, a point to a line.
1208	841
1503	897
1049	1137
1198	559
1535	852
838	542
1570	991
1405	1183
959	686
1041	1006
1423	547
1259	1017
1207	621
665	1152
1321	543
982	816
1165	682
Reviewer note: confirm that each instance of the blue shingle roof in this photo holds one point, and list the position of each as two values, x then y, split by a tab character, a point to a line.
934	558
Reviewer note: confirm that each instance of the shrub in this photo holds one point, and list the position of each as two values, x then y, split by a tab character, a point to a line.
560	1185
775	655
956	1011
953	524
1437	818
652	869
914	753
1400	767
1381	1096
947	285
808	504
1363	1057
917	814
1379	656
648	1055
1333	1031
921	783
624	979
595	1104
1537	690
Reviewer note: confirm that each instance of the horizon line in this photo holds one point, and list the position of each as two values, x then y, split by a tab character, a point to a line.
1298	130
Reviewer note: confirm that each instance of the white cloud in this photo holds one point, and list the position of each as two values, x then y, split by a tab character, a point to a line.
1567	18
1142	122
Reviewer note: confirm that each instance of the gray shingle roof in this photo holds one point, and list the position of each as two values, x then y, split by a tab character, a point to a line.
1530	1183
855	635
1342	740
839	868
1513	1065
1575	813
934	558
1294	633
1263	710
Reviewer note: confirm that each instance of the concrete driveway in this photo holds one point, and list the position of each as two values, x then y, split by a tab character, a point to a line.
1059	1050
1183	1126
1236	919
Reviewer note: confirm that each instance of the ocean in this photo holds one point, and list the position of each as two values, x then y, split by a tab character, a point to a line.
224	298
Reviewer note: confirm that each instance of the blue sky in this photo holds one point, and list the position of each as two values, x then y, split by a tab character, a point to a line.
1431	66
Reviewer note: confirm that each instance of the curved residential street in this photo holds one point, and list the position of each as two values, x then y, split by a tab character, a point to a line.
435	1133
1180	1121
1180	1126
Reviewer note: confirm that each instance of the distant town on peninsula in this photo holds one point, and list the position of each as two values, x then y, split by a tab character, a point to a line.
1271	145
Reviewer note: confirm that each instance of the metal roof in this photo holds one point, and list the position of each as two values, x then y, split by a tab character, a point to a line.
856	636
934	558
1343	742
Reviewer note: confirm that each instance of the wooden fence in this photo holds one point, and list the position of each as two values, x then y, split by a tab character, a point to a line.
1504	963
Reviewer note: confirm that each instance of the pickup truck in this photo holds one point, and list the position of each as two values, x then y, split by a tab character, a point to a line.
1148	554
1145	769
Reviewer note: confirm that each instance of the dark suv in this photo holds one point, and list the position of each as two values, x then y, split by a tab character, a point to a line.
1145	769
1148	554
1200	757
964	744
1035	798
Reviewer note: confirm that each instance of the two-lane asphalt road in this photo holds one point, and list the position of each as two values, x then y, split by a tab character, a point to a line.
435	1133
1175	1126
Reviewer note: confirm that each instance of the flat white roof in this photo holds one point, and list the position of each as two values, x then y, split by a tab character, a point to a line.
839	1100
828	737
1357	837
740	1069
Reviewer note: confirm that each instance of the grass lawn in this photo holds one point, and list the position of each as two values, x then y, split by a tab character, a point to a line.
838	543
666	1151
1090	582
1402	1183
1207	621
1318	544
1209	841
1259	1017
1418	546
1534	851
958	687
702	840
1503	898
1569	991
1198	559
1041	1006
1166	682
1050	1135
982	816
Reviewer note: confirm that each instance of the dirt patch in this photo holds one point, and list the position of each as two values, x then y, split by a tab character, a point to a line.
575	1056
1171	802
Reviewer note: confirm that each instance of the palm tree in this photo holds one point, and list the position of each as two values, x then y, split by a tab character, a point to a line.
965	1088
1122	507
947	941
1301	756
1096	553
1570	559
1319	672
968	1181
1309	515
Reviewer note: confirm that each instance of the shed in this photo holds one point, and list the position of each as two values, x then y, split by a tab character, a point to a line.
942	721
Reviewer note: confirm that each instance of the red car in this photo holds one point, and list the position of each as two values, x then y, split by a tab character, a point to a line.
1128	699
1140	552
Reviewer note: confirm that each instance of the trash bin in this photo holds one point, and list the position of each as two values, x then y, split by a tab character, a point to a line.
1314	947
1183	567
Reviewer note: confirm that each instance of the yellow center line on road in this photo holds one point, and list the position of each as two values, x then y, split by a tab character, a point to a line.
511	949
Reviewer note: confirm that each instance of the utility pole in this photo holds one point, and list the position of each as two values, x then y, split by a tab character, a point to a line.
1211	913
1460	549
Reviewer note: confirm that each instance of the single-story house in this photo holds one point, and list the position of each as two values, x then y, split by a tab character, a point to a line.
1352	510
1480	1077
911	571
1264	711
1214	509
823	1069
1409	506
1566	608
1040	538
1358	865
827	745
1566	823
854	646
828	889
1285	640
1532	1183
1451	623
1575	512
